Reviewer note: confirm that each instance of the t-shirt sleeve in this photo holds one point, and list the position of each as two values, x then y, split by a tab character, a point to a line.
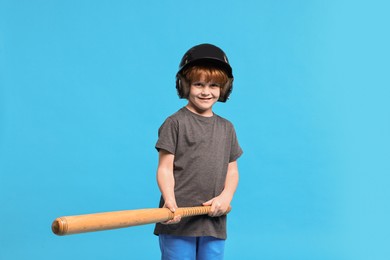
236	150
167	136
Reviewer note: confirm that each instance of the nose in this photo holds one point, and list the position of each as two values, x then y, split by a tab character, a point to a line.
205	90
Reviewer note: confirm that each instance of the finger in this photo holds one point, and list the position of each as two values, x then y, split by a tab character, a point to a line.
214	208
208	203
171	208
218	209
175	220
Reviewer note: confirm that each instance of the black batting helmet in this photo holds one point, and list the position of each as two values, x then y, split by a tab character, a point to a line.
205	54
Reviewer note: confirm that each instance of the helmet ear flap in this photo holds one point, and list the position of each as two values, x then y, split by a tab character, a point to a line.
182	86
226	90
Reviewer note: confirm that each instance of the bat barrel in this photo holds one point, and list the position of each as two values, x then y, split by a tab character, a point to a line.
109	220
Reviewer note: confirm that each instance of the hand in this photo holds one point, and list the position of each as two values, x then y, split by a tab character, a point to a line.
172	207
219	206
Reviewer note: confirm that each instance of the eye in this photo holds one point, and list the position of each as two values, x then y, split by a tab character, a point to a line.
197	84
215	85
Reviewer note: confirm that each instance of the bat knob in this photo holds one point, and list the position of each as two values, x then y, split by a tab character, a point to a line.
59	226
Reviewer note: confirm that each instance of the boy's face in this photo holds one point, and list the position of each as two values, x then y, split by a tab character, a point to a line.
203	95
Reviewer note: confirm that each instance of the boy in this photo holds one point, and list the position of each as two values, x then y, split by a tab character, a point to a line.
198	152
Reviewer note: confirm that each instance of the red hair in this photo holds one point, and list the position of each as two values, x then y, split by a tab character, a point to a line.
195	73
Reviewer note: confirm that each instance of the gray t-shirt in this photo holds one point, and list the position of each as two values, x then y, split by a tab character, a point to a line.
203	148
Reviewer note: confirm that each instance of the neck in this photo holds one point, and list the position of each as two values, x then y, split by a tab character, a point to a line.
205	113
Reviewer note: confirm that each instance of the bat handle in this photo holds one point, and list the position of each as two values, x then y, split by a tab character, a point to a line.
192	211
195	211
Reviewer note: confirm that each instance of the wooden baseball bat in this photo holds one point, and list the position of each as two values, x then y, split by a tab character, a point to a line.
120	219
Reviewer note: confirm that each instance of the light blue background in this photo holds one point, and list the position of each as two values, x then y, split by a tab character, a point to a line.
84	86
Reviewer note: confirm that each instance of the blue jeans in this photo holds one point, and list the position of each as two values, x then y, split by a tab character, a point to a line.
191	248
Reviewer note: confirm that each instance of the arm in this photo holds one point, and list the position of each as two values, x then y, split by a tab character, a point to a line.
221	203
166	182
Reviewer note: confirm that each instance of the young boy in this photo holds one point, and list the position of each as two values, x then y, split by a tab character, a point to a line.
198	152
